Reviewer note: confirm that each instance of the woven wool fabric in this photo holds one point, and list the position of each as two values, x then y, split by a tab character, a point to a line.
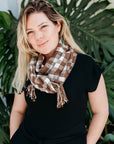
50	77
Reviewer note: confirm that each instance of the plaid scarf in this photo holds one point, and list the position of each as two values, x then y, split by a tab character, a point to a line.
50	77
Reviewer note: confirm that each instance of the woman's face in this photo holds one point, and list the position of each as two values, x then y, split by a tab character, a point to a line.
42	33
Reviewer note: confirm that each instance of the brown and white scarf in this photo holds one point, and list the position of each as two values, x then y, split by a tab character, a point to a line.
50	77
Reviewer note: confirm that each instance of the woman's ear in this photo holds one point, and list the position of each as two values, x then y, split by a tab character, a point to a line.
59	25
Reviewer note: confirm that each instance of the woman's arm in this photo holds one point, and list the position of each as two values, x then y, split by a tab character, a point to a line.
17	113
99	105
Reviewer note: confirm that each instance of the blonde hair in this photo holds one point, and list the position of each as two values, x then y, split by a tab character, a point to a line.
25	49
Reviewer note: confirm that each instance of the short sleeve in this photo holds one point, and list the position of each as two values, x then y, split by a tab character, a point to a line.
27	82
93	74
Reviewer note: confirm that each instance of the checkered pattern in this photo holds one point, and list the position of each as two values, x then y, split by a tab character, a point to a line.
50	77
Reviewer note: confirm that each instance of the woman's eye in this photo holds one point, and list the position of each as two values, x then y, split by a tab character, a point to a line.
29	33
44	26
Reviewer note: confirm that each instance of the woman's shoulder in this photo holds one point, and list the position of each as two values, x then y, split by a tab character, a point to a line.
90	71
88	63
85	58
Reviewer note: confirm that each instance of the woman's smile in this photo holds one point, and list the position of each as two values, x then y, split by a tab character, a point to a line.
42	44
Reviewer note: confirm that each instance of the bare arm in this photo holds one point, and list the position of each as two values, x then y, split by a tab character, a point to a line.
17	113
99	105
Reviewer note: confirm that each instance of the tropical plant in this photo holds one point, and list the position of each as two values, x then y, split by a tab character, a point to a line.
92	27
8	49
4	119
8	64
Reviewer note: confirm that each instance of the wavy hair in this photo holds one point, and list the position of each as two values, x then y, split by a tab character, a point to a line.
25	49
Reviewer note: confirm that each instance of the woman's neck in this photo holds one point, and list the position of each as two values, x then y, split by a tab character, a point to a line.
47	56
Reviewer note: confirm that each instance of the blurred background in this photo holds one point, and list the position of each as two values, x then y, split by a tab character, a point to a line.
92	26
14	5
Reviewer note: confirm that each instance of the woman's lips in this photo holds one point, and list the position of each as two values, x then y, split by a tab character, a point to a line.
42	43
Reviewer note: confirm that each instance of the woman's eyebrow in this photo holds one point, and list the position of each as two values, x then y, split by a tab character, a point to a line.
42	23
37	26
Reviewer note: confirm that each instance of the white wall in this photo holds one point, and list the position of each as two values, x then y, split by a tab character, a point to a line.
12	5
111	4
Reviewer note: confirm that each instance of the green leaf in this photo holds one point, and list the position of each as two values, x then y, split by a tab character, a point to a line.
1	36
22	3
4	60
96	50
10	79
5	20
100	16
92	9
71	6
12	42
89	108
4	137
3	43
108	137
108	68
2	106
111	113
6	70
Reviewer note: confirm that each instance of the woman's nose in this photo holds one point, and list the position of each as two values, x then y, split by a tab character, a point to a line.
38	35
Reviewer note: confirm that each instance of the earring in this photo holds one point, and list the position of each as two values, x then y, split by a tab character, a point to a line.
62	41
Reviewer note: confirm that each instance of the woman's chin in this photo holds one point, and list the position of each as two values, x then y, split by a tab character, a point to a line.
46	53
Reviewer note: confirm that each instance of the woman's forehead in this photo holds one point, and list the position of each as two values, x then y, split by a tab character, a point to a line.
37	19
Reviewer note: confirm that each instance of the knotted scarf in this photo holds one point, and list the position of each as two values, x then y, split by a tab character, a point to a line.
50	77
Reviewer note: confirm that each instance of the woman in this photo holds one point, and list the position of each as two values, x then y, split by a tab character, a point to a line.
53	80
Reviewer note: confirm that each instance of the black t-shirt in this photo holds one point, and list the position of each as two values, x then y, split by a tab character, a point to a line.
45	120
